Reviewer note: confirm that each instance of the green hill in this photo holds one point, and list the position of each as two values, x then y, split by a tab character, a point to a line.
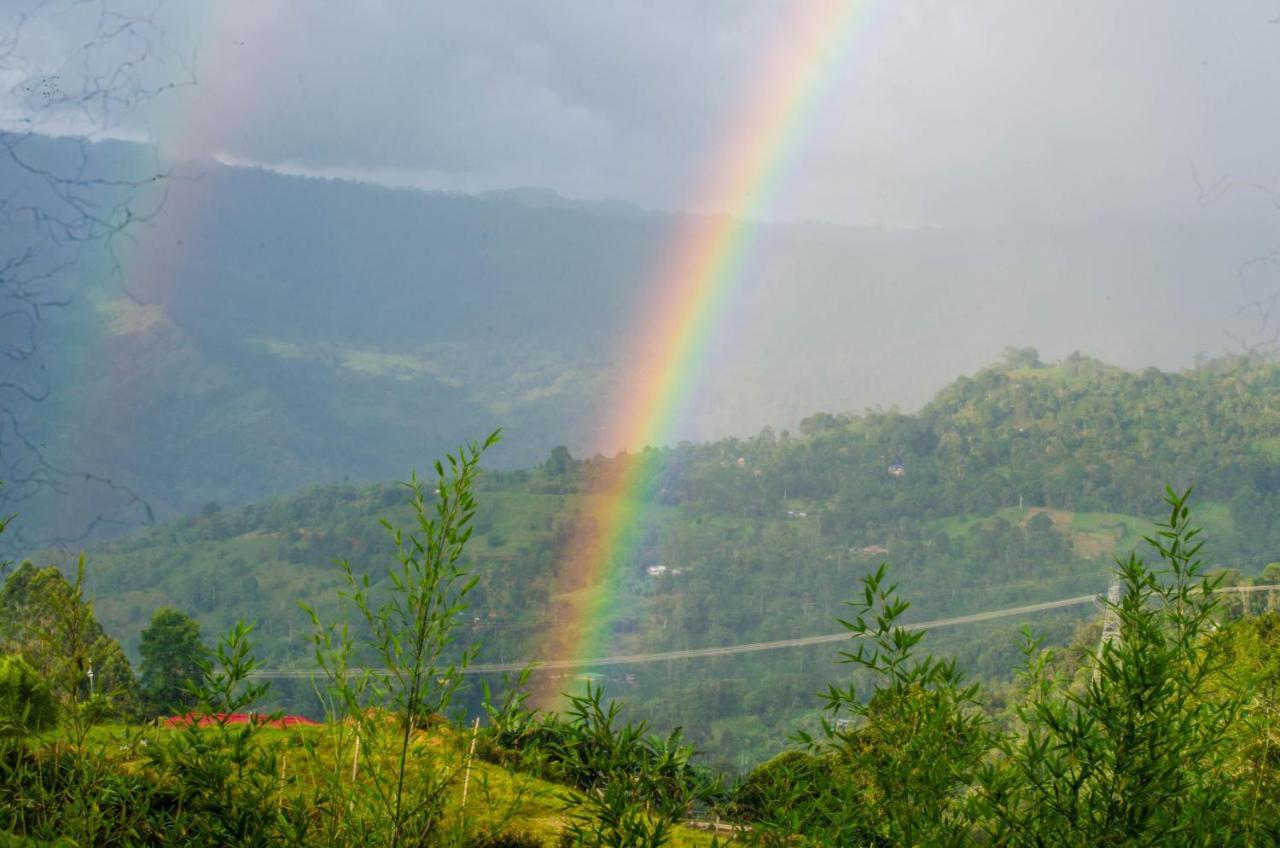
269	332
1012	486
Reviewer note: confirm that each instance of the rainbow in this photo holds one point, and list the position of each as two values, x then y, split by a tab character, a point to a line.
125	296
694	281
99	401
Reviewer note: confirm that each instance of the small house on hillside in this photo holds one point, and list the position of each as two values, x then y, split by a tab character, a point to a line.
897	470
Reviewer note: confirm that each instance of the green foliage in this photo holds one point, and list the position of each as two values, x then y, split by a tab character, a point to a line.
225	777
559	463
1166	739
1165	734
764	545
1084	446
51	623
633	787
54	628
902	756
215	780
630	787
1020	357
1139	753
791	780
172	661
1253	670
506	839
77	794
26	704
377	712
208	783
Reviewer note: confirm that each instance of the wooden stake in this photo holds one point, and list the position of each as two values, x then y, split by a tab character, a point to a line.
284	767
471	752
355	760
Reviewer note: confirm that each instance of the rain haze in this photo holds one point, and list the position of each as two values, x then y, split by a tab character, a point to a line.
948	180
936	114
543	399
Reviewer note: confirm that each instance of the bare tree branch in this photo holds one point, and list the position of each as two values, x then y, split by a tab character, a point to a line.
1258	277
57	211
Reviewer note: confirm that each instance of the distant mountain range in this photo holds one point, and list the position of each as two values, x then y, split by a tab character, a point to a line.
269	331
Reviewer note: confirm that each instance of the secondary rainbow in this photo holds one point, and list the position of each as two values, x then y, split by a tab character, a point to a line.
124	296
693	282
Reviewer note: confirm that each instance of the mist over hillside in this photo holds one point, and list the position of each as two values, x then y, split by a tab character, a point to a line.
267	331
657	423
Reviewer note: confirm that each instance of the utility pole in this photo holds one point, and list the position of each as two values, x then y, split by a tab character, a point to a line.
1110	622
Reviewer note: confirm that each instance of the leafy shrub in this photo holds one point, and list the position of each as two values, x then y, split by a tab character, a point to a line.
632	786
790	777
1144	753
26	703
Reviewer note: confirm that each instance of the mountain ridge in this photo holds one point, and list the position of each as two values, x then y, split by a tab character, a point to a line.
268	331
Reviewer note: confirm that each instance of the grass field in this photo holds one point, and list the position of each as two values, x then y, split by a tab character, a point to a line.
1095	534
497	798
1271	447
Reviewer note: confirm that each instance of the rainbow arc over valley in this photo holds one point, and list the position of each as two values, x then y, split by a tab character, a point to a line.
692	284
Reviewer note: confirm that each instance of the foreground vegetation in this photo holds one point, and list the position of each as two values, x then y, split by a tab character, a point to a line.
1160	733
1019	485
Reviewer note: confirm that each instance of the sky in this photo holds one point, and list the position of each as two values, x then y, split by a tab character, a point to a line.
937	113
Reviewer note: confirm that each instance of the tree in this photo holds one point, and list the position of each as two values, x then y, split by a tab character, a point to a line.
49	622
819	422
1021	357
172	654
559	463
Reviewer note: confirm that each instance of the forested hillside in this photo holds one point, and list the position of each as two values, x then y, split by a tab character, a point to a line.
1173	698
1015	485
639	425
267	332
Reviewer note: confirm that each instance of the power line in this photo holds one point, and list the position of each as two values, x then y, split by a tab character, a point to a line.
754	647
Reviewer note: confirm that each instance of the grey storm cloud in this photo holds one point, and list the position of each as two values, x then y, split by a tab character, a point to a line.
937	112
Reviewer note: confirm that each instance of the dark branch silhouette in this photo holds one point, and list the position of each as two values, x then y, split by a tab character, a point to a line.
1259	277
59	211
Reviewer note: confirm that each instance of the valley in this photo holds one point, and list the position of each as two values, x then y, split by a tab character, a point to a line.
271	332
995	495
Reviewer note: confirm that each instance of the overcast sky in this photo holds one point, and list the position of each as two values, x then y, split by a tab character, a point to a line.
937	113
